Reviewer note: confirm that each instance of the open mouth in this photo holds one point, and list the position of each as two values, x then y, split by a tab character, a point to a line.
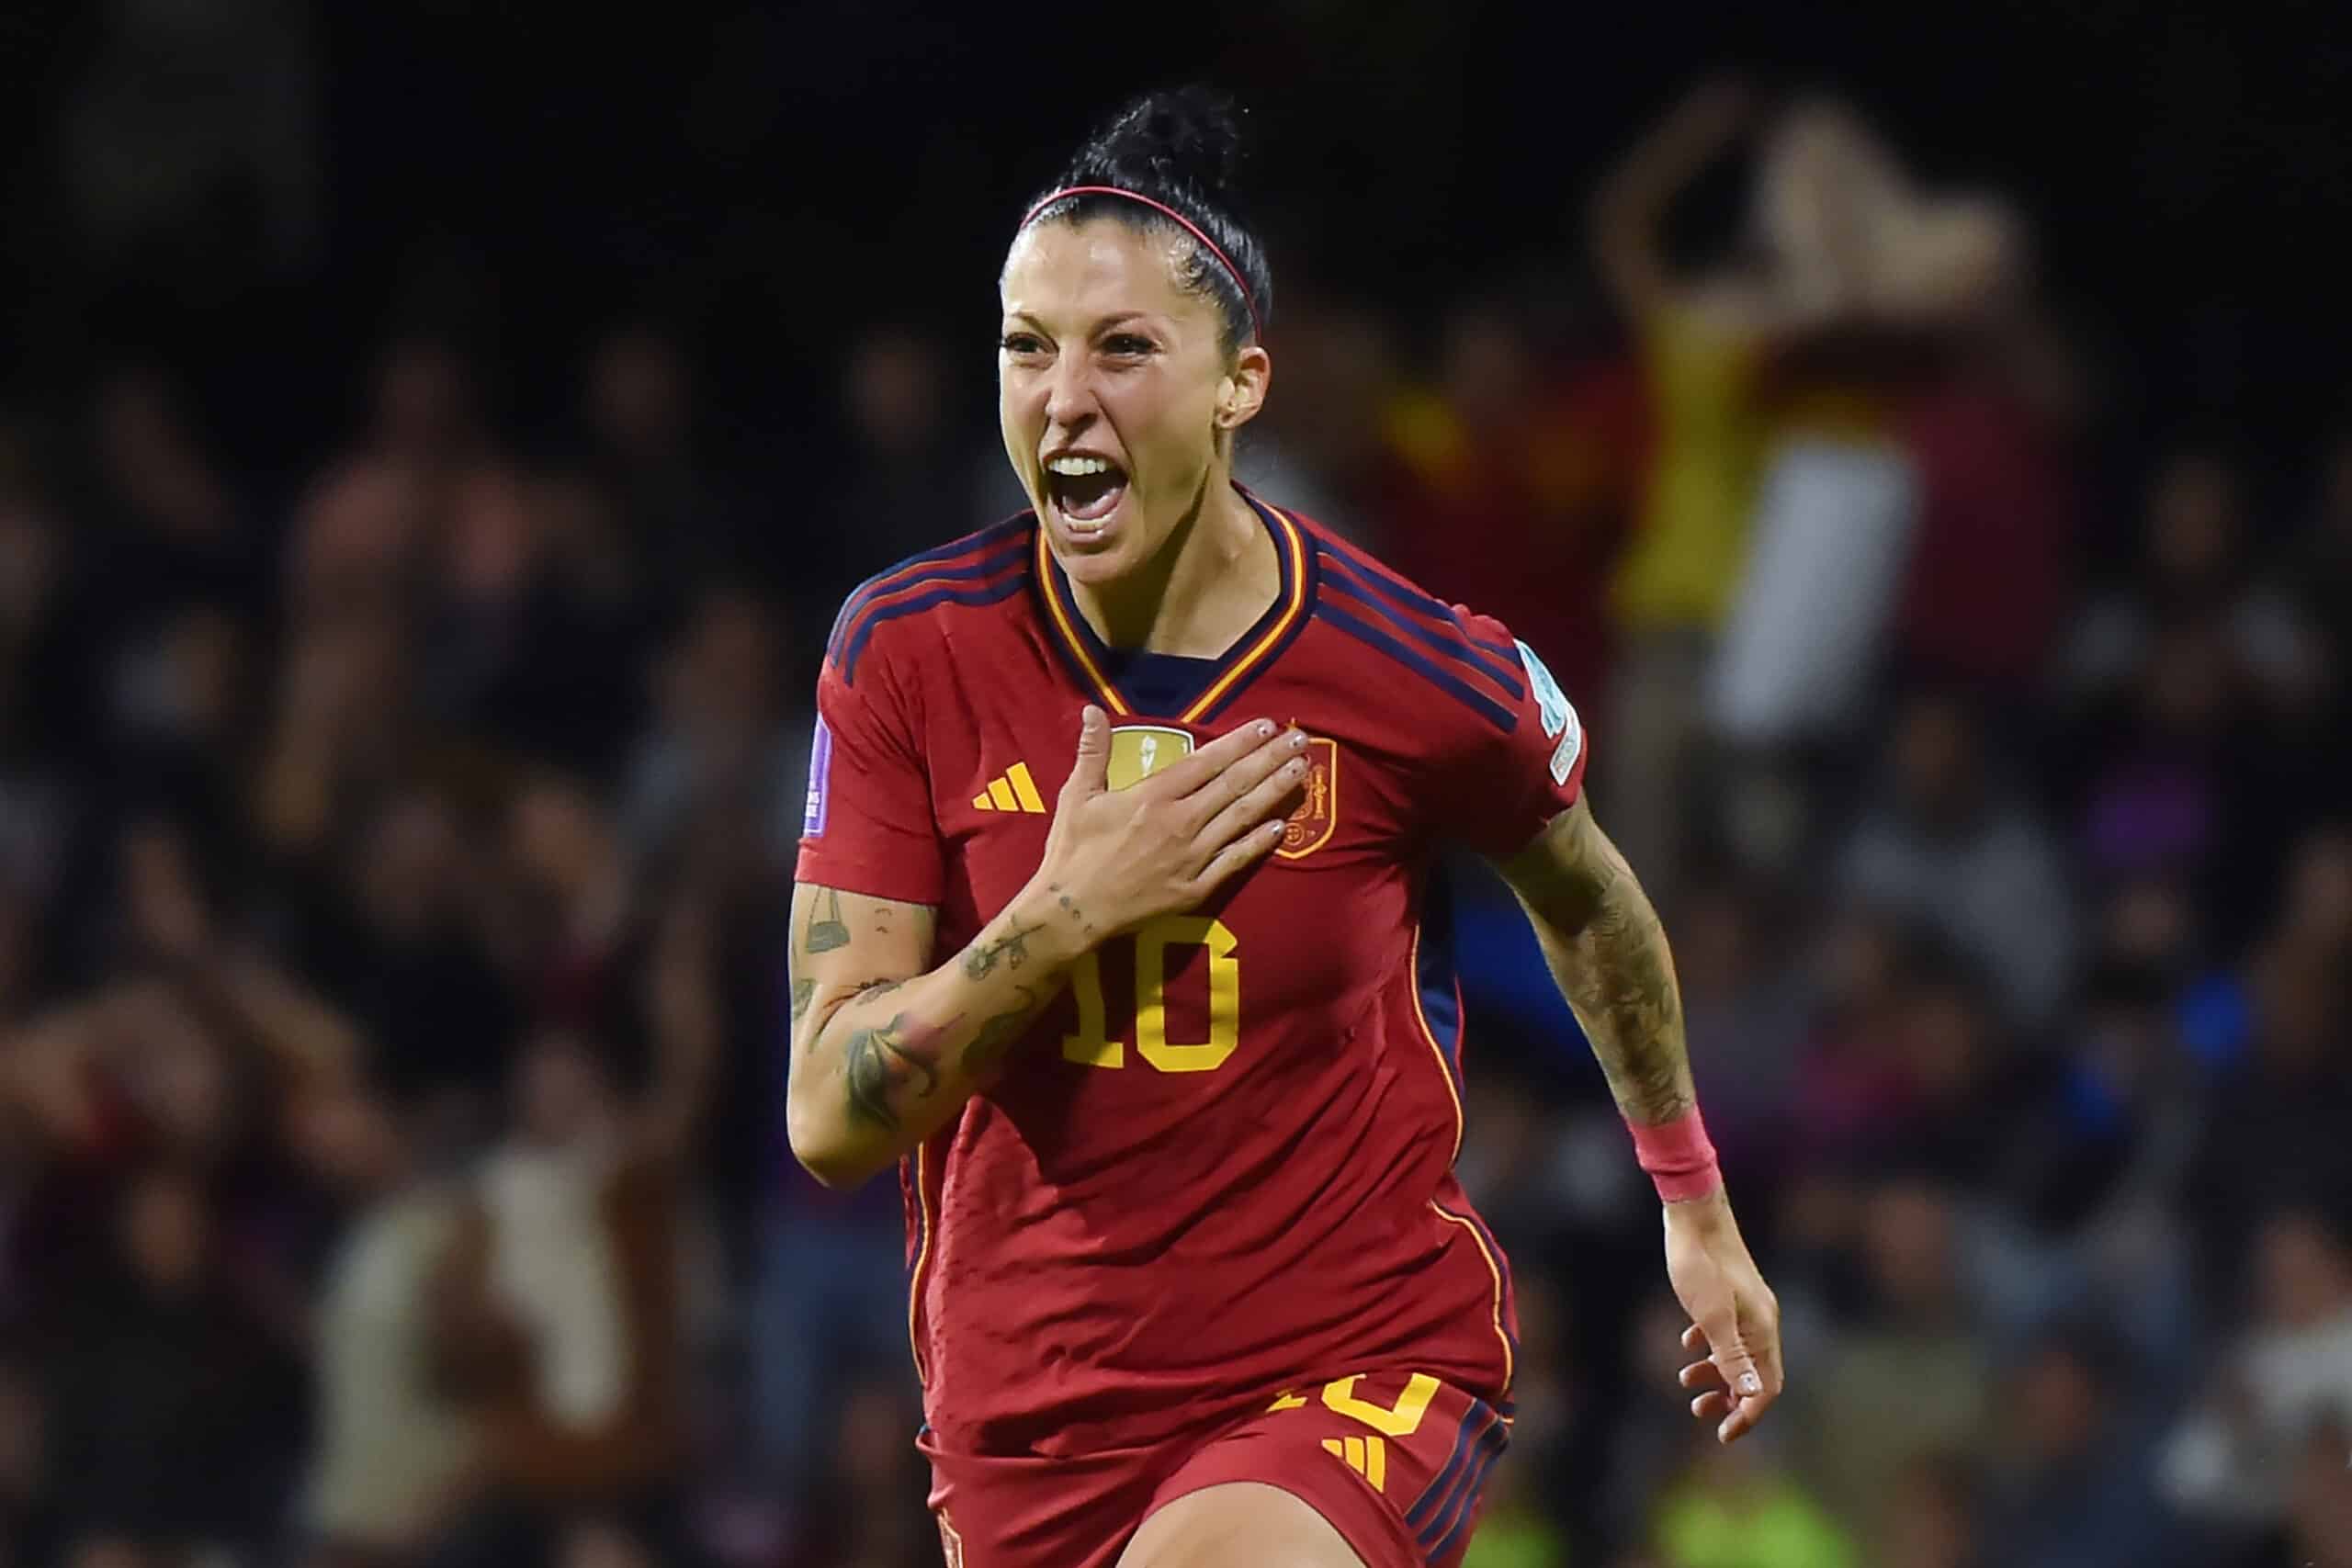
1085	491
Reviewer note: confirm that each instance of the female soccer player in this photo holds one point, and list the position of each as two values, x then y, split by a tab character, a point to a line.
1115	930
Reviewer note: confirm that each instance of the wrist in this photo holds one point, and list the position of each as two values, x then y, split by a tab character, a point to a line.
1679	1158
1060	923
1709	1212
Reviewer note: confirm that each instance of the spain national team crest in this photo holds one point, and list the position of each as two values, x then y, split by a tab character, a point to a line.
1310	826
1139	750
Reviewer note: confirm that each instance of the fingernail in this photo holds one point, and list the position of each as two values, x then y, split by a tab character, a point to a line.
1750	1383
1297	740
1265	726
1292	768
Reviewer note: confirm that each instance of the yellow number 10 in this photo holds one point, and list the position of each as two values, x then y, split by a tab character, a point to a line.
1401	1419
1093	1045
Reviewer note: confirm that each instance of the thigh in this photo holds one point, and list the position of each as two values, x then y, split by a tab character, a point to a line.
1238	1521
1394	1462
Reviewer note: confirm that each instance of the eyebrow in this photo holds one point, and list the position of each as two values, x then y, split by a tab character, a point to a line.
1120	317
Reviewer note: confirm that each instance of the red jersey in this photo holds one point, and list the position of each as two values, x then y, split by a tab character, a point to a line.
1222	1163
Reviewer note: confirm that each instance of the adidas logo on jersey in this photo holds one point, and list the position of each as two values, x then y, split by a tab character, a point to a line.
1368	1457
1013	790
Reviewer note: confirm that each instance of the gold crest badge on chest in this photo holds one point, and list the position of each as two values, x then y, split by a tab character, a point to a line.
1139	750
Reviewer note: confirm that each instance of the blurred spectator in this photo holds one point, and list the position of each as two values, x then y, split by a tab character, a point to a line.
398	930
906	476
724	738
1514	1530
1932	1519
1737	1508
1994	548
1911	1379
570	1308
24	1507
2288	1374
1850	1081
1703	338
680	523
524	638
341	726
833	1267
1319	448
2319	571
1743	1018
393	1453
1513	481
1884	271
1958	849
2319	1527
2274	1126
2072	1487
868	1465
166	1402
2196	567
2094	1161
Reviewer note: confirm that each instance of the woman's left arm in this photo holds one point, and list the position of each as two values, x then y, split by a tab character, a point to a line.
1608	953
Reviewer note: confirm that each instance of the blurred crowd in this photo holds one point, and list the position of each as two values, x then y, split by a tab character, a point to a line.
392	870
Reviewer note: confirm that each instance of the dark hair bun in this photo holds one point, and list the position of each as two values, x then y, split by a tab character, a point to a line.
1184	141
1178	149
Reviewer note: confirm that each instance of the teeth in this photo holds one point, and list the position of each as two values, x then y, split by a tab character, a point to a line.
1074	467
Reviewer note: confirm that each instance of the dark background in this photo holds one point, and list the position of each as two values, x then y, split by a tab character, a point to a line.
790	168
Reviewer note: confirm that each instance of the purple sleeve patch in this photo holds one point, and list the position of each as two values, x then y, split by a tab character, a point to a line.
820	765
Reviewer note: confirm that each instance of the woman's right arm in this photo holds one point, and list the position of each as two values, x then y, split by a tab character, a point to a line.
887	1046
885	1050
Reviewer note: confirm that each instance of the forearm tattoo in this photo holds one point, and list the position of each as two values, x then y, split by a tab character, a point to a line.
1010	949
1069	907
891	1065
998	1035
1607	951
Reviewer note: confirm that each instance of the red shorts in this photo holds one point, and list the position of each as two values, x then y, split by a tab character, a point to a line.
1395	1461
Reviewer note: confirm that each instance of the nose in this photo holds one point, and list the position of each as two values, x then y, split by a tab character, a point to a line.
1069	393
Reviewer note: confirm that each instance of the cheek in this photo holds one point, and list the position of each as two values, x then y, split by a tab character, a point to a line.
1169	428
1017	401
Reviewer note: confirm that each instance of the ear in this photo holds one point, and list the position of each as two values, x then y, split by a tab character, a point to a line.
1243	391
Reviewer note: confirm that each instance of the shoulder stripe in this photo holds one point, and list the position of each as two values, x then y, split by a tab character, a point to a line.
954	552
943	594
861	610
1378	575
1501	717
1457	647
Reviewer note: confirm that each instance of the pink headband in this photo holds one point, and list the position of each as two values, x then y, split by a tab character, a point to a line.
1257	327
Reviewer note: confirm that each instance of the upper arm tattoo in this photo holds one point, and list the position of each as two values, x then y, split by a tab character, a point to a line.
827	930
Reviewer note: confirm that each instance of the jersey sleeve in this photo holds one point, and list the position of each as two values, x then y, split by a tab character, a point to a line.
1496	787
869	826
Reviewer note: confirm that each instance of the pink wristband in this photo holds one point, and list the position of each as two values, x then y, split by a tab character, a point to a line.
1681	1160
